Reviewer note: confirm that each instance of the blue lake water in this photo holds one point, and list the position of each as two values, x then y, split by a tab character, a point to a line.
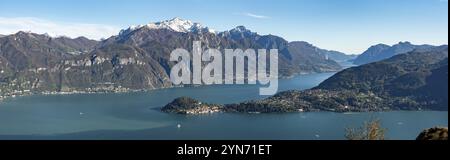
137	116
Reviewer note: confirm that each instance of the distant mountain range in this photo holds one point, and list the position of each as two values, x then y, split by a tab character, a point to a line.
138	57
382	51
338	56
135	59
417	80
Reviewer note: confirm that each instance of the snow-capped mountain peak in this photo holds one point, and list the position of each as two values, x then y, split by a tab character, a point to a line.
175	24
240	29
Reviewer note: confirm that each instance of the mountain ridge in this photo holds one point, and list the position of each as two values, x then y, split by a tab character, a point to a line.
417	80
382	51
134	60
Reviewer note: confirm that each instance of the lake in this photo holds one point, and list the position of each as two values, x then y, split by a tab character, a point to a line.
137	116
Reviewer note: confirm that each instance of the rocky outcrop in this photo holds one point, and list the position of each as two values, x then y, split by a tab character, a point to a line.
436	133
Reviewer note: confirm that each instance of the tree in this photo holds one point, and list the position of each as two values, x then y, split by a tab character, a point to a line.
371	130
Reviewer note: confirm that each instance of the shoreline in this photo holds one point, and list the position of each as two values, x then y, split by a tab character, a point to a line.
16	94
318	111
194	107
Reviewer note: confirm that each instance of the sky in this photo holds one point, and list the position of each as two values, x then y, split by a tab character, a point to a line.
349	26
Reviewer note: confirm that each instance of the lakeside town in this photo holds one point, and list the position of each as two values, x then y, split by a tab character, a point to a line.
20	93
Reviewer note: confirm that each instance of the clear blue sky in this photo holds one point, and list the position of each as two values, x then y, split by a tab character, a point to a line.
346	25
